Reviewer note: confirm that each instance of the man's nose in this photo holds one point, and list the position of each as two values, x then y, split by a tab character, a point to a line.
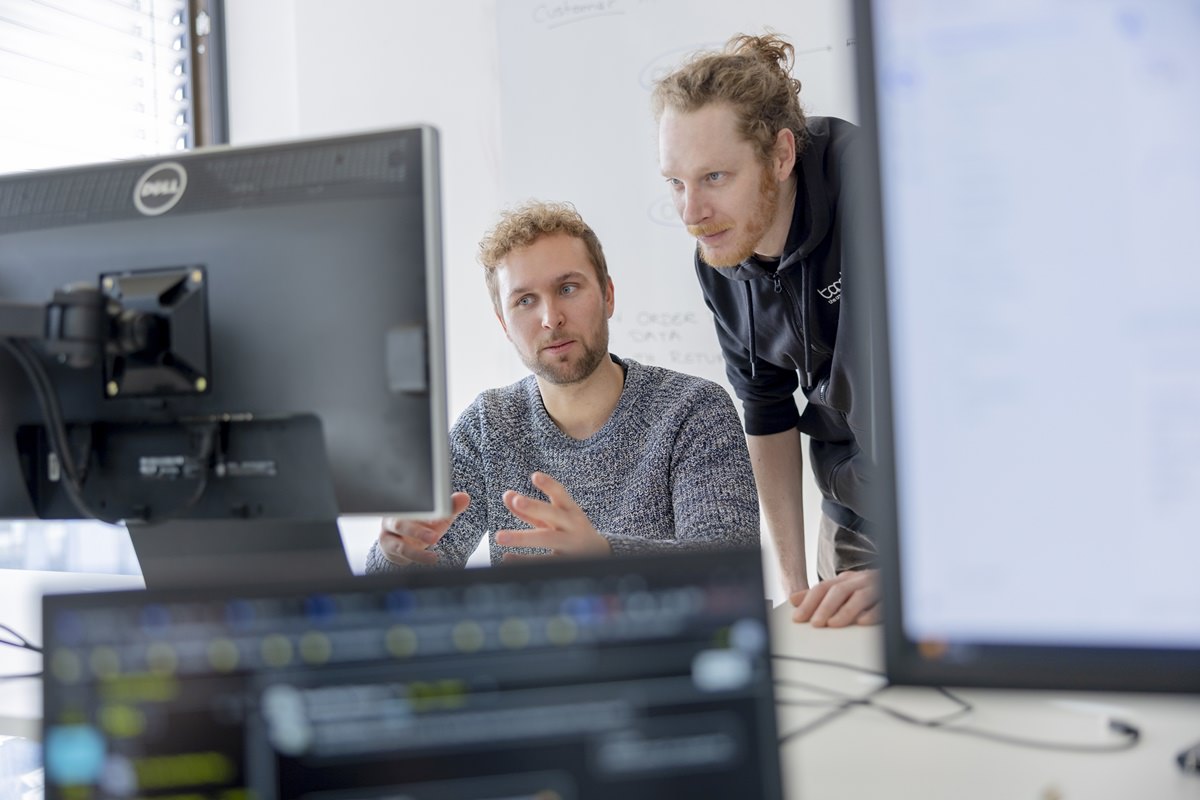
691	206
552	316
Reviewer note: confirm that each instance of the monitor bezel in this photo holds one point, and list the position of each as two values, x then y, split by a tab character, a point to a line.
975	664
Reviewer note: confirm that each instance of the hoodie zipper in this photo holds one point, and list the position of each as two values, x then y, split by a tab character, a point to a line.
781	288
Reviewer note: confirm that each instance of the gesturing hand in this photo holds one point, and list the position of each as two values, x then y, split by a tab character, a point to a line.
849	599
407	541
559	525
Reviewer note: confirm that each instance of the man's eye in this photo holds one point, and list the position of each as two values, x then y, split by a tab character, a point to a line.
714	176
524	301
570	288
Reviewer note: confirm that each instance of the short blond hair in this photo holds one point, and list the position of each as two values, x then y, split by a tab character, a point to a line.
753	76
522	226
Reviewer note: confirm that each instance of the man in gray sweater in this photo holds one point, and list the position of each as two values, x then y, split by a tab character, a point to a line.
592	455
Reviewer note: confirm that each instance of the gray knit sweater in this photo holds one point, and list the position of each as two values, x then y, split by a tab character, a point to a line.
669	469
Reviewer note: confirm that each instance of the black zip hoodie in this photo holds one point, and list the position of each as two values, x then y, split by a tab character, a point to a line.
786	328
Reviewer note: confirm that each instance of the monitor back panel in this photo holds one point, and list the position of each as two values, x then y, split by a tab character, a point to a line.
319	264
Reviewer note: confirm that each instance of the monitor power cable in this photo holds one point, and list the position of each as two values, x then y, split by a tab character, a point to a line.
839	703
74	476
72	482
13	638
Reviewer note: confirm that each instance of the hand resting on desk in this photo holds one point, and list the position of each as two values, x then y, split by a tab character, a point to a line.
852	598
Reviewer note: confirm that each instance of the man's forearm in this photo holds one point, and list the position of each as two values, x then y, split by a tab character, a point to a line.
778	471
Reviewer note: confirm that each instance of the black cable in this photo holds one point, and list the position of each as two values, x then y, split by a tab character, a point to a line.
20	675
55	427
60	443
1131	735
838	710
825	662
20	641
48	401
844	702
812	687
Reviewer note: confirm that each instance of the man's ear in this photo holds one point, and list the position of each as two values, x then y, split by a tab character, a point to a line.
500	319
610	298
783	154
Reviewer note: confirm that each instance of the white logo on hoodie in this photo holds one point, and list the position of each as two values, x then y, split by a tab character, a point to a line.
832	292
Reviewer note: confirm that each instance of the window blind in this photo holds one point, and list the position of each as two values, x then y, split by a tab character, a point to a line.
93	80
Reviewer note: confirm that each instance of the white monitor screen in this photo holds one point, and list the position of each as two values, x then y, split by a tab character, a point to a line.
1040	177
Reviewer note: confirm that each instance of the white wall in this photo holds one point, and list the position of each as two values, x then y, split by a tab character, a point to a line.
533	98
325	68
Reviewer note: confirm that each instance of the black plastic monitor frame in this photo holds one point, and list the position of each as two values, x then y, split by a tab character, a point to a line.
234	346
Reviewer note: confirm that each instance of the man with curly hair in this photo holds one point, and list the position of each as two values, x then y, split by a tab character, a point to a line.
591	455
763	189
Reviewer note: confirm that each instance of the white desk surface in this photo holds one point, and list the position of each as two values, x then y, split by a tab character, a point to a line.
860	753
863	753
21	608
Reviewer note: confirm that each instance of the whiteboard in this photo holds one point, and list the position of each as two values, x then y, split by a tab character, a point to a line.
575	86
534	99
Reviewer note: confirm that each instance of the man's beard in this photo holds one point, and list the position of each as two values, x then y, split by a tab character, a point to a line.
756	226
565	373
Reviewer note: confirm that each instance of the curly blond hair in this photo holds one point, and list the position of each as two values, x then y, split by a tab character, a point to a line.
752	75
522	226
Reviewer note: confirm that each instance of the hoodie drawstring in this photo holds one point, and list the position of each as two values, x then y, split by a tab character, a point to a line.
753	347
806	314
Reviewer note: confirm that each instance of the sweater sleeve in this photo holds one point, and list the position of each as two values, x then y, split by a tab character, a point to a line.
467	475
712	486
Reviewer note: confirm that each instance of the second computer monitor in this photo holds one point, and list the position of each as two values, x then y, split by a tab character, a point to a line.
268	353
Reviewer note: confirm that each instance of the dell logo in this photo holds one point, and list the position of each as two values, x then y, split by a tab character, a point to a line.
160	188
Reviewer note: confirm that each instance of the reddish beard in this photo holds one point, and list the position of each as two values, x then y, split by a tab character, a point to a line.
755	227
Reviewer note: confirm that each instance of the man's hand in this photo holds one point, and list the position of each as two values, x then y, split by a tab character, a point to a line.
407	541
851	598
559	526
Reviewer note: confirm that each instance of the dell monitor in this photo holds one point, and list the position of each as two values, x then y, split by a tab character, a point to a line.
226	350
1033	191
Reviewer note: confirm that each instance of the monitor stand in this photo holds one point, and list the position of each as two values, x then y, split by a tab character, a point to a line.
214	552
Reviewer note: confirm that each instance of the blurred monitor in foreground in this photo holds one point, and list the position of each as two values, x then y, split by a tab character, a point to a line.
227	349
1037	338
635	678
